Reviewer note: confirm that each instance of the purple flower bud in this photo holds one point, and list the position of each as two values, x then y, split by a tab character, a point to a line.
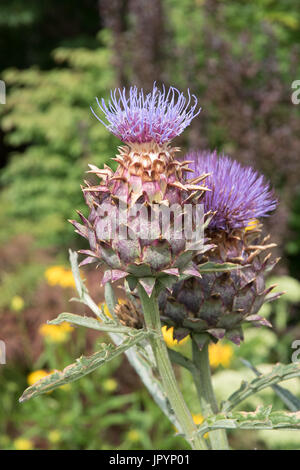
238	194
158	116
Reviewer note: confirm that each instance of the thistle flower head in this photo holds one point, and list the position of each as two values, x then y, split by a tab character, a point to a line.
238	194
159	116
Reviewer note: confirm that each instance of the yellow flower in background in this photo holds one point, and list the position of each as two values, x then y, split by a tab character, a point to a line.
105	307
53	274
66	326
17	303
168	337
23	444
198	419
67	279
56	333
220	354
65	387
105	310
110	385
252	225
133	435
54	436
35	376
59	275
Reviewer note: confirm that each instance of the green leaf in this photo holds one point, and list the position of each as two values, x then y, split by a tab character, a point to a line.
84	296
110	299
83	366
261	418
183	361
210	267
292	402
89	322
278	374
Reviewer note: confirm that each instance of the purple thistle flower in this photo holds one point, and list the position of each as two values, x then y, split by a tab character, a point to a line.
238	194
158	116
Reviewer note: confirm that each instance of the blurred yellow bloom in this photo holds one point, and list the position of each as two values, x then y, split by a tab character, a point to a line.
168	337
133	435
110	385
252	225
220	354
17	303
23	444
105	307
56	333
54	436
66	326
58	275
198	419
35	376
65	387
67	279
105	310
53	274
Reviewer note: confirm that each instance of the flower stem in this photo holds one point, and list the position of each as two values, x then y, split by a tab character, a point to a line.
208	402
183	415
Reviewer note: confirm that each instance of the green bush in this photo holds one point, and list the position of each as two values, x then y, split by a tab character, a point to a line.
47	113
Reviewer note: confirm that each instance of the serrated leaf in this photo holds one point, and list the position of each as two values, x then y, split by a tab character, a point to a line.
261	418
292	402
278	374
89	322
81	288
83	366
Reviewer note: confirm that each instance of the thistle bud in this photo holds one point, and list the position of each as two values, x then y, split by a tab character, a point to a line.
126	228
219	303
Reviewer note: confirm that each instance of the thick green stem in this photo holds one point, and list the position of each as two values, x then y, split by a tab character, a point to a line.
208	402
185	420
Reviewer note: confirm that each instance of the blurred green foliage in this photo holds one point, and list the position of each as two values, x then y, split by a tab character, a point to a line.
47	113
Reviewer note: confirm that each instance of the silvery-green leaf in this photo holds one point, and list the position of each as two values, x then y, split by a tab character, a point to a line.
89	322
81	288
211	267
279	373
83	366
261	418
183	361
110	299
292	402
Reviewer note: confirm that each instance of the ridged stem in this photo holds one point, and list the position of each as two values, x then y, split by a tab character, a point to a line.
208	402
183	415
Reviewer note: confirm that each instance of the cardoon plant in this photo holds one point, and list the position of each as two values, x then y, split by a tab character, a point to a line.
138	244
144	229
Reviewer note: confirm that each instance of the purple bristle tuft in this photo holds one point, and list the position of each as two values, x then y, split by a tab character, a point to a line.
238	194
158	116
